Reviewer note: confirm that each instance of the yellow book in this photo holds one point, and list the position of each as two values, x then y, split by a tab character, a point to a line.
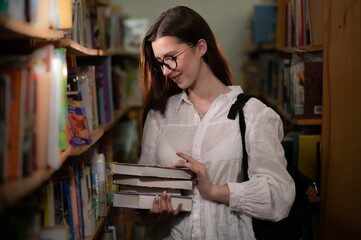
308	155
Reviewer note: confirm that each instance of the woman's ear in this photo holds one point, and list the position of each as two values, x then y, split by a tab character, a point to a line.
202	47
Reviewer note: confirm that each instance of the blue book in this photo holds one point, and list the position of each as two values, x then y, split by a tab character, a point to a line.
264	23
68	208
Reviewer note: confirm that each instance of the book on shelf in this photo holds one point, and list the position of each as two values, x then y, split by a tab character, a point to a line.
63	14
306	85
75	201
78	122
82	79
58	107
135	30
315	8
54	232
86	199
4	122
41	69
150	171
102	194
104	87
313	89
309	155
29	135
154	182
17	79
145	201
264	19
68	208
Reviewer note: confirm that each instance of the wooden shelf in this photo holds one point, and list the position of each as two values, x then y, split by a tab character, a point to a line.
98	2
11	28
73	48
272	47
317	48
96	135
13	190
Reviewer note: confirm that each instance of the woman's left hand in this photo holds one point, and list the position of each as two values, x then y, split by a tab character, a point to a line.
202	180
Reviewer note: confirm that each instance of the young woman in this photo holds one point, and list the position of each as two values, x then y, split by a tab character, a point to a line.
187	85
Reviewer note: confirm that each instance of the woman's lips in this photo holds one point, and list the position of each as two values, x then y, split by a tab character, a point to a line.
176	78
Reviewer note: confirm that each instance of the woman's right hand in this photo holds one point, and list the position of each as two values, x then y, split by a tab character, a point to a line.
162	206
161	209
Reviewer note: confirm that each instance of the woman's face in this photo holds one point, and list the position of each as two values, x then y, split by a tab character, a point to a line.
180	62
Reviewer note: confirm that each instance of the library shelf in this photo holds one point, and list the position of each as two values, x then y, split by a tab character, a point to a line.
18	29
73	48
273	47
316	48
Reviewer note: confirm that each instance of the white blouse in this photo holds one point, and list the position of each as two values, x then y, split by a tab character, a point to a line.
216	142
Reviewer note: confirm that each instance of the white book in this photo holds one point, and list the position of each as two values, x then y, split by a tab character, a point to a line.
102	210
145	201
88	211
54	232
148	190
153	182
150	171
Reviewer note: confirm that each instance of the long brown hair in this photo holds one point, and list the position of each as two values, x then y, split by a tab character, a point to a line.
188	26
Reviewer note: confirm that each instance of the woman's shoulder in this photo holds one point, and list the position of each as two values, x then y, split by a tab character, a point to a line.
256	108
175	100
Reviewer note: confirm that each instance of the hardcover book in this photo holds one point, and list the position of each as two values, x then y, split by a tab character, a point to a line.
145	201
150	171
79	128
313	90
148	190
152	182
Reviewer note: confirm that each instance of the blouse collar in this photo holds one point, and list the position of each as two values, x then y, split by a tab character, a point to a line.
235	90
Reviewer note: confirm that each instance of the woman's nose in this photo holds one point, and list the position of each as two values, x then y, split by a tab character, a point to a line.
166	71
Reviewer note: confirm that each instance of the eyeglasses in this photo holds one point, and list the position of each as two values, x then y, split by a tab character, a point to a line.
169	62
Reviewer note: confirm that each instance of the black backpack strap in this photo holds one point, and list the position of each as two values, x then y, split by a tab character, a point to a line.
242	98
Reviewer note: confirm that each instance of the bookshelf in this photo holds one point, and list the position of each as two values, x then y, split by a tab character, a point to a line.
12	28
280	71
22	38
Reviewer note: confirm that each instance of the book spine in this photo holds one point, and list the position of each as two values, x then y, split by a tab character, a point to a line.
101	185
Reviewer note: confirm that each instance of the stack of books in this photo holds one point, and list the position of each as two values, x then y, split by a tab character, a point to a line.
138	185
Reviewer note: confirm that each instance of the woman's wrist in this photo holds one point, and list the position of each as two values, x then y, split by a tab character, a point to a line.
219	193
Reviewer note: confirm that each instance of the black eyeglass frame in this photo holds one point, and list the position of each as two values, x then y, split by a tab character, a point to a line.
159	66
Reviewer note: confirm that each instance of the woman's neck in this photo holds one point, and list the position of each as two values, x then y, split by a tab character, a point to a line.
206	89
